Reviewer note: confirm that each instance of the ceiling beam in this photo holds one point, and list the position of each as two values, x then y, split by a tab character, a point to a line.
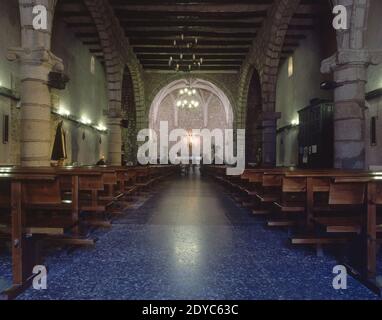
194	7
201	68
146	56
184	23
125	15
198	34
197	51
203	42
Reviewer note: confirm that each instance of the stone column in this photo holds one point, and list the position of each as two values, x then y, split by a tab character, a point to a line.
350	73
349	120
115	141
269	137
36	61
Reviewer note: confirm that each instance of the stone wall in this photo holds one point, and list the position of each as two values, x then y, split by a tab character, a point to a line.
10	35
374	82
294	93
85	96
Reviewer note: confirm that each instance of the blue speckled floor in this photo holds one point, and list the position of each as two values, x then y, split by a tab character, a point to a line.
190	241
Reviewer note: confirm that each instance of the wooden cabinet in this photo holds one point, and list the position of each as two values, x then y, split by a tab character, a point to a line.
315	137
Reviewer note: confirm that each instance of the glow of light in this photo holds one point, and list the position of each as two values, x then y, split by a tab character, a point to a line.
63	112
377	173
85	120
101	127
1	84
178	103
181	91
290	66
295	122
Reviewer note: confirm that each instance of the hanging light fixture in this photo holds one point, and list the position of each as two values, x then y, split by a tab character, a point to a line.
185	46
187	98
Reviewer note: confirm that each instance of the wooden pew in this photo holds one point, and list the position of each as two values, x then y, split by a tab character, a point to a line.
68	188
126	180
263	188
366	193
332	207
15	185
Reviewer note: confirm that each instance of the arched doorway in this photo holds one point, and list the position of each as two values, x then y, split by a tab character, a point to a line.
253	132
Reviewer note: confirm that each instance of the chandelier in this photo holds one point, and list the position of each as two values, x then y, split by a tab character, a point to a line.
187	98
185	59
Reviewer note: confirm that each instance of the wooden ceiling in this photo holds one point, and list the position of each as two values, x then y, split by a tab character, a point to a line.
225	29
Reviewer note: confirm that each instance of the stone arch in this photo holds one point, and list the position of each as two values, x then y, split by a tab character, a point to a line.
203	77
139	94
196	83
244	82
114	65
118	54
265	54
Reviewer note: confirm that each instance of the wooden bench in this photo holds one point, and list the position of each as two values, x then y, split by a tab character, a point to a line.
367	193
16	185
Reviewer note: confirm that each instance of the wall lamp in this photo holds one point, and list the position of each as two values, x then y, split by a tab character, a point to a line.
83	121
330	85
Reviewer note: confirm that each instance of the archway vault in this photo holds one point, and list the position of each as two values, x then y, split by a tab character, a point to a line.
196	83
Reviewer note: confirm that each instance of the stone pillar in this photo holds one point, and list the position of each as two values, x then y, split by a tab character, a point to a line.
269	137
350	74
36	61
349	120
115	141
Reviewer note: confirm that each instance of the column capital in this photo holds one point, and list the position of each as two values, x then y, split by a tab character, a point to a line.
36	56
35	63
351	57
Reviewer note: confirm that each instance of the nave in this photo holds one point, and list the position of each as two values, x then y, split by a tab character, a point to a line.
190	240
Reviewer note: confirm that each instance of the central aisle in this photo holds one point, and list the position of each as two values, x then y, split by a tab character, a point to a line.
190	241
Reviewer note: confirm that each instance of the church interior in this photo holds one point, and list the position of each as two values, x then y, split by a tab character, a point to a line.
85	214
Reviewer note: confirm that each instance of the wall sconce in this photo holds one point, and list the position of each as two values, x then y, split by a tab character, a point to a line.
295	122
329	85
85	120
63	112
57	80
100	127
